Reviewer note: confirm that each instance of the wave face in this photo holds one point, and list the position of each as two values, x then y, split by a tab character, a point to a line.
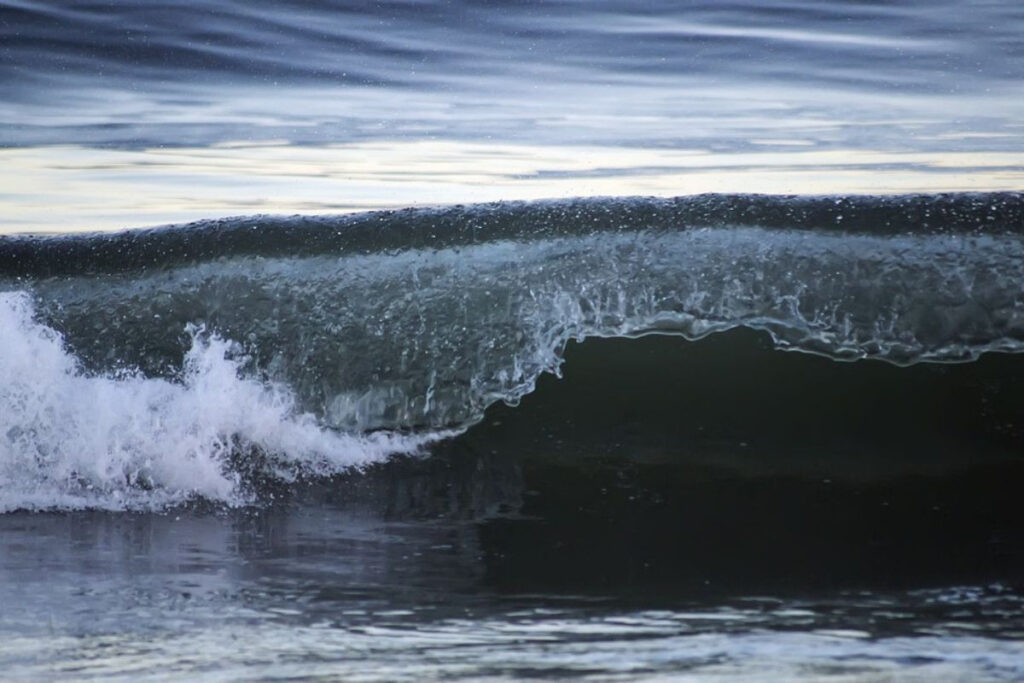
316	340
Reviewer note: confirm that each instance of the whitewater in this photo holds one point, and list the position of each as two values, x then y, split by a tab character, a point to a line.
125	441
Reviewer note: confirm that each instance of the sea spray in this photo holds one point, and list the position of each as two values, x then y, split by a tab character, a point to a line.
72	439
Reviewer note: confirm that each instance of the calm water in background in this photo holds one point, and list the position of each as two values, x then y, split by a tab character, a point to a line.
490	565
141	113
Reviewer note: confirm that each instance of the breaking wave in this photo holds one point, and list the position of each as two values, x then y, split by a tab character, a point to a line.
355	337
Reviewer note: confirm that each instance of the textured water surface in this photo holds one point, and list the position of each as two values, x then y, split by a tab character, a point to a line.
140	114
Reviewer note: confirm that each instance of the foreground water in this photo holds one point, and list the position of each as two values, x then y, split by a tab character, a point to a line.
316	592
680	432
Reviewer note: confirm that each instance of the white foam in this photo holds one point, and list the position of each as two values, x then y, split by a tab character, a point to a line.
72	440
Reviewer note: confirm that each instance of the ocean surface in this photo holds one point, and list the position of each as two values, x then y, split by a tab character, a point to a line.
422	340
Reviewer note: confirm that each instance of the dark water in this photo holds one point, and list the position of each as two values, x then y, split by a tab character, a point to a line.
732	391
610	526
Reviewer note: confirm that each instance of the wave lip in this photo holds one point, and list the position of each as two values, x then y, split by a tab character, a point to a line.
421	319
963	214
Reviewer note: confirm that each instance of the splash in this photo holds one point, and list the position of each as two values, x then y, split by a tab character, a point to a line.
69	439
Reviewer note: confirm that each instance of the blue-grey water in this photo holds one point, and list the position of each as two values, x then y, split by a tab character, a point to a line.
608	340
139	114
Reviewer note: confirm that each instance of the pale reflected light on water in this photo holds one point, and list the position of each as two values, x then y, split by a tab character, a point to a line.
73	188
